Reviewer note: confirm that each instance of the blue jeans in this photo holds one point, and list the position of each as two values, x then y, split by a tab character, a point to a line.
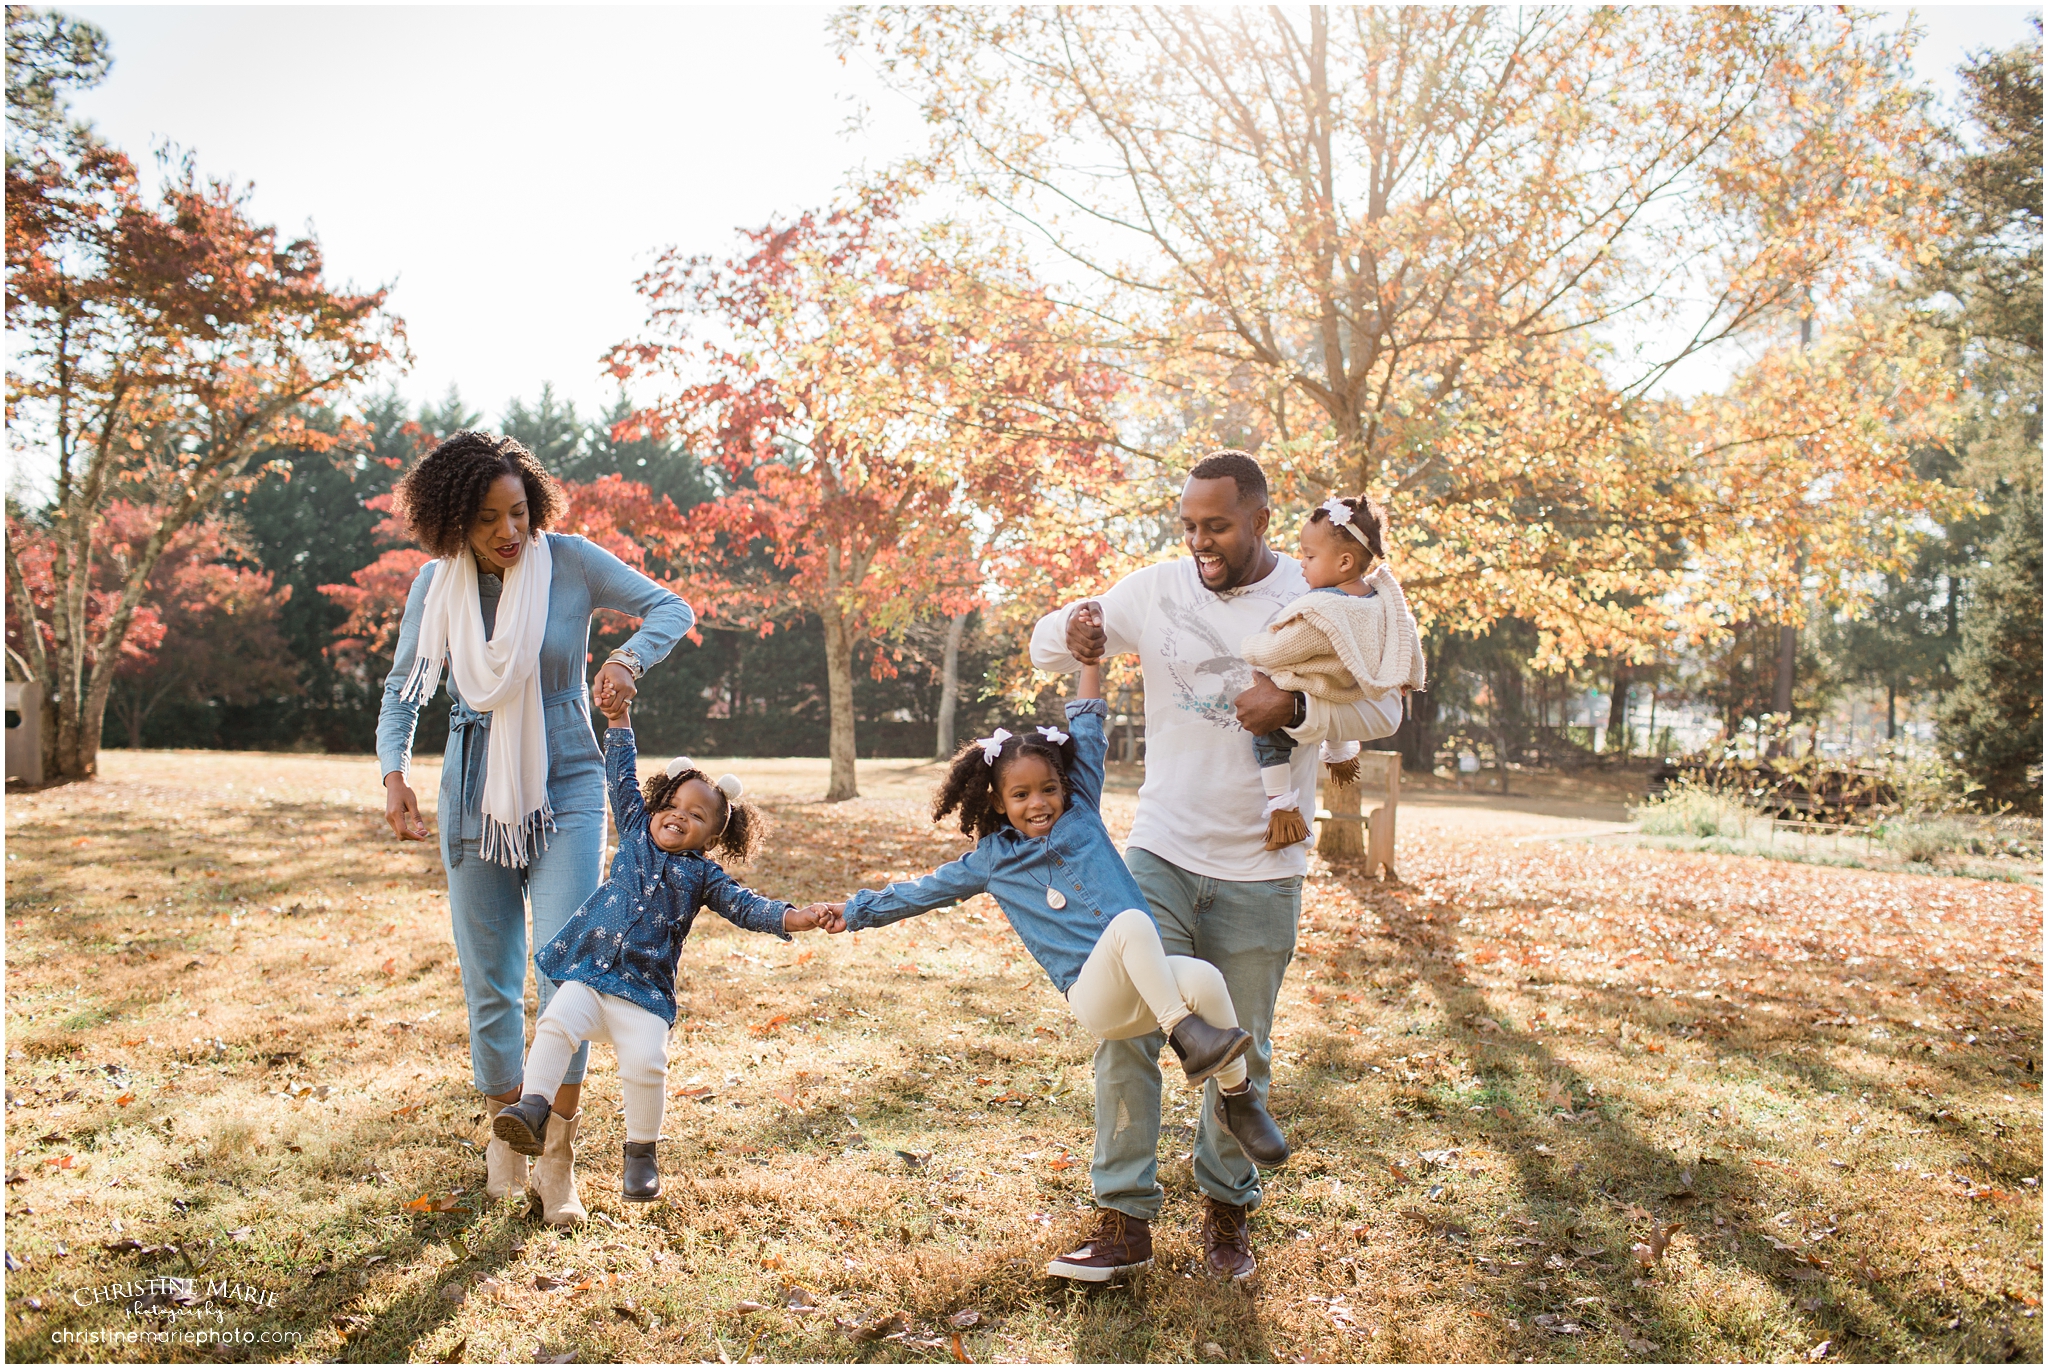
1246	930
488	904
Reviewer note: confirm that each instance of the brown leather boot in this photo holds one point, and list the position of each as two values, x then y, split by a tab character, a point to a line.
505	1170
1227	1240
1118	1245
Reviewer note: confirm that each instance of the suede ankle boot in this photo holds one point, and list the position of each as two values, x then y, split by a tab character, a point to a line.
553	1184
504	1167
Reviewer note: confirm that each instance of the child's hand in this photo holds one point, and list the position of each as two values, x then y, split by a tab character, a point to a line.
617	711
814	917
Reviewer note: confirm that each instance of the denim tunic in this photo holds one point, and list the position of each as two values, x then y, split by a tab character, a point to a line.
625	939
586	578
1077	857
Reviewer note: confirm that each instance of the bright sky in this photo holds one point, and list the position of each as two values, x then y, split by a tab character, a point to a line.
512	171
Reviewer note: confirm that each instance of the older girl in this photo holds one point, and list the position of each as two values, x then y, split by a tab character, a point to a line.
506	606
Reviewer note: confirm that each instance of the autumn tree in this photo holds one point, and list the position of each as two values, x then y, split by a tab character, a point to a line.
889	410
1443	254
162	344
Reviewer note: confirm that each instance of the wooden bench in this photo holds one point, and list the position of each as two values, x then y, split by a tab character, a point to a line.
25	732
1348	832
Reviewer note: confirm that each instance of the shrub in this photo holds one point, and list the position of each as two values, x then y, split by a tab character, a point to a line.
1686	811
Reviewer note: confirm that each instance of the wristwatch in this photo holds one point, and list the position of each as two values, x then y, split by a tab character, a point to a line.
629	660
1300	709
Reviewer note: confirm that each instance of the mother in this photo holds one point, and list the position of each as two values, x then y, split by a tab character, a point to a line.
507	606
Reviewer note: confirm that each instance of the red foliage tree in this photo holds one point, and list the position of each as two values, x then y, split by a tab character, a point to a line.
887	406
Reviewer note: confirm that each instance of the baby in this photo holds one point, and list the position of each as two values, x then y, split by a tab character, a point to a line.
1350	637
614	962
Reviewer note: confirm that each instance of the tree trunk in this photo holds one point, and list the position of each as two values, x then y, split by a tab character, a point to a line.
1788	657
839	687
1891	711
1617	712
949	693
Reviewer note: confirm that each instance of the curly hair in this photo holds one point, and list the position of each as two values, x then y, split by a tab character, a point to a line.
745	827
439	498
1370	519
972	786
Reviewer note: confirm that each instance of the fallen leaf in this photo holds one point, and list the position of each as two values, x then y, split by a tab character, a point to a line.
893	1324
965	1318
454	1352
797	1298
914	1159
1819	1352
124	1100
390	966
960	1355
749	1307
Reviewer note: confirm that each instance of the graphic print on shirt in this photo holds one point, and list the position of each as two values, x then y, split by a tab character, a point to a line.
1206	673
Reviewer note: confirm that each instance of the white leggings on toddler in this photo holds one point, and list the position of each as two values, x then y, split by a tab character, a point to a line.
579	1013
1130	986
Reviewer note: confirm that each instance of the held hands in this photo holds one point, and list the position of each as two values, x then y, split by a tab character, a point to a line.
1089	617
815	917
616	706
1086	641
616	682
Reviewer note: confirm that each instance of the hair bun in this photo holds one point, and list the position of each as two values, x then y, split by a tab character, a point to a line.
678	766
730	786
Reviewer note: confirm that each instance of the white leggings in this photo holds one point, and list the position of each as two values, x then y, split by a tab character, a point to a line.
579	1013
1130	986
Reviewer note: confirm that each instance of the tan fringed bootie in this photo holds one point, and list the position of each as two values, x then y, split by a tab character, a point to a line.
554	1175
1284	828
505	1169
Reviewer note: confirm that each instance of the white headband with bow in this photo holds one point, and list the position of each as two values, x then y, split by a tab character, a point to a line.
1053	735
1341	515
992	747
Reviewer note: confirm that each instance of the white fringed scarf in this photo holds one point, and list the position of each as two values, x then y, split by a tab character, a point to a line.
499	676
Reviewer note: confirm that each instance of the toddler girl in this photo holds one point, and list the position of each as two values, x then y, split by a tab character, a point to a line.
614	962
1359	644
1033	803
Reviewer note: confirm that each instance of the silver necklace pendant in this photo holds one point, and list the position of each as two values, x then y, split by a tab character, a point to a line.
1055	897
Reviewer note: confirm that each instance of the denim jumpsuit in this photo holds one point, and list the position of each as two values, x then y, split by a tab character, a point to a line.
487	902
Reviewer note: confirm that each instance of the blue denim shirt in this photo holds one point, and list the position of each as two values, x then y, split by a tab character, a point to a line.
586	578
1077	857
625	938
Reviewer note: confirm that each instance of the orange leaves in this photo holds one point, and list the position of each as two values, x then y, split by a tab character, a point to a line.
429	1203
763	1028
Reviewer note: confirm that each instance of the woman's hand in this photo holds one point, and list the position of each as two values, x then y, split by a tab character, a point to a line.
402	808
621	681
618	712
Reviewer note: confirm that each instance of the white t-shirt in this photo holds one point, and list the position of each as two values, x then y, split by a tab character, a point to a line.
1202	806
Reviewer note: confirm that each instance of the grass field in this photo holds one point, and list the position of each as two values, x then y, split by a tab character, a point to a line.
1549	1100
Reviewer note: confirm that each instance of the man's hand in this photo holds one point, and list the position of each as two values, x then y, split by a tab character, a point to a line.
1265	707
1086	641
402	808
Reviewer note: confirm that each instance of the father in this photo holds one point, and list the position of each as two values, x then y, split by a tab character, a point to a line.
1197	846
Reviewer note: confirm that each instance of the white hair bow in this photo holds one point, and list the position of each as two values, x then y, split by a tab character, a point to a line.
1053	735
678	766
991	747
1339	511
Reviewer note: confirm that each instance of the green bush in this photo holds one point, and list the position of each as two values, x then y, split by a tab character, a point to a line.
1684	811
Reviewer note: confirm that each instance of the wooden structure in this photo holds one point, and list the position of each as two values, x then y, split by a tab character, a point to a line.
1349	832
24	732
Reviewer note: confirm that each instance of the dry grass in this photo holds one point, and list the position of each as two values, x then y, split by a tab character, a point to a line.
234	1007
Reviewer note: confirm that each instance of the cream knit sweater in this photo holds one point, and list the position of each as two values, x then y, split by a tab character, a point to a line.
1342	648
